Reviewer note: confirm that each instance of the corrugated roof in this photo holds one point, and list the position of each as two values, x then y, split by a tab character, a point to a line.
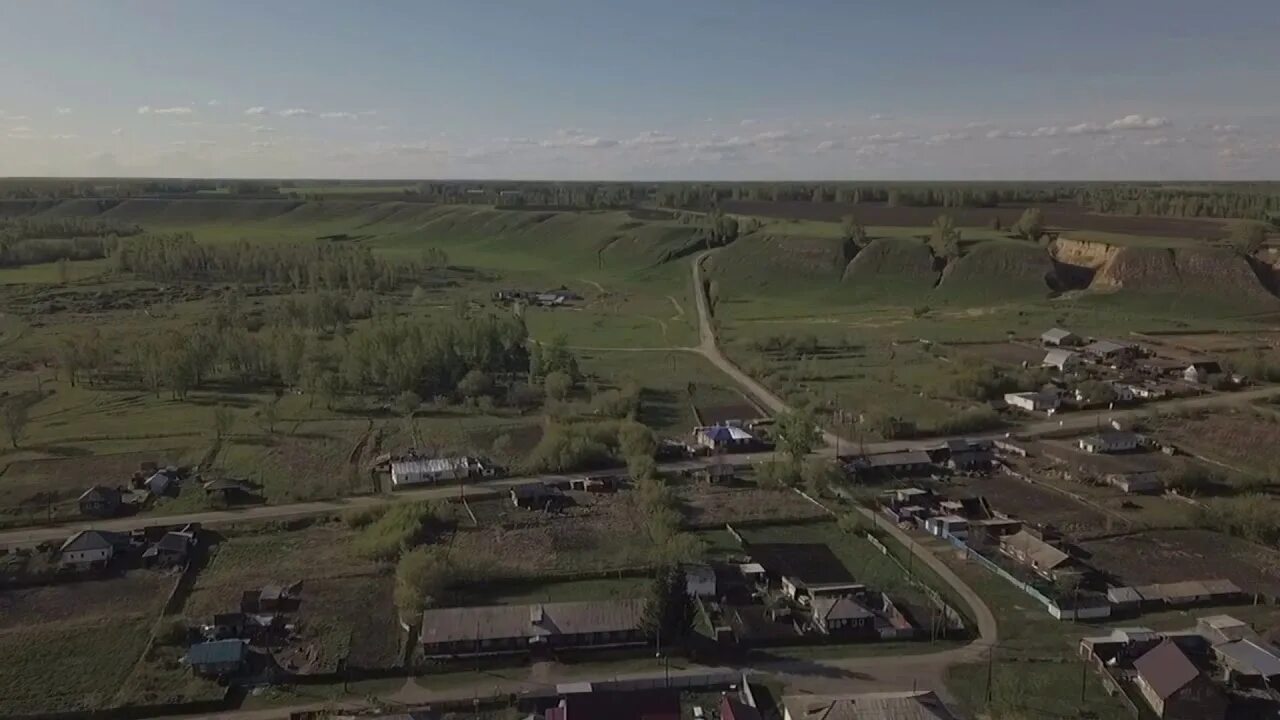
1056	335
839	608
1041	554
1250	658
218	652
429	466
1058	357
897	459
1166	669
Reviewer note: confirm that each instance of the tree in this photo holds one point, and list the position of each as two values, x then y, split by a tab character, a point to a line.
475	383
669	612
223	419
853	237
268	414
15	414
820	475
636	440
945	238
557	385
407	403
797	435
1096	392
1248	237
422	575
1031	225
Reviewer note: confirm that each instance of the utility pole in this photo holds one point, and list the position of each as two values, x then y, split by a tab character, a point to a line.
990	670
1084	677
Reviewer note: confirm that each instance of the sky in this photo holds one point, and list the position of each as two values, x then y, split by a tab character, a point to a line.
656	90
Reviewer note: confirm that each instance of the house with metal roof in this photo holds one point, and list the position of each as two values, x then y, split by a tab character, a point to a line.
1037	401
1063	360
1110	441
1057	337
1175	688
218	658
723	437
841	615
90	548
1110	351
505	629
1045	559
1249	663
421	471
100	501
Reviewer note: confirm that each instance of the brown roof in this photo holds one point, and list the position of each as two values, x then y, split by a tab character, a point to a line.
839	608
1165	669
1043	555
504	622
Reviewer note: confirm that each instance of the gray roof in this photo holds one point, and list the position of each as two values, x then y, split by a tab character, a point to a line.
88	540
1056	335
1250	658
912	705
839	608
1040	553
897	459
502	622
1165	669
1058	358
217	653
1105	347
430	466
101	492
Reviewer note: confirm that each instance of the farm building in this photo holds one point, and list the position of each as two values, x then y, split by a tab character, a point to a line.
1127	642
171	550
1058	337
90	549
1042	557
1110	441
419	471
723	437
500	629
1175	688
1248	663
968	455
841	615
906	705
218	658
1039	401
1219	629
100	501
895	464
1179	594
1201	372
1136	483
536	496
162	482
947	526
1063	360
1110	351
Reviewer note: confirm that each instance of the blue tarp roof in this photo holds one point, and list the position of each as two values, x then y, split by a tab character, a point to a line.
216	653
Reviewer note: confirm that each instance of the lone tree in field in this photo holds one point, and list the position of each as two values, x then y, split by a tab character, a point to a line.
853	237
557	384
1031	225
15	414
797	435
1248	237
669	612
223	419
945	238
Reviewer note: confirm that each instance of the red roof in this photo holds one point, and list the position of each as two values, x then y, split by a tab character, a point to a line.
1166	669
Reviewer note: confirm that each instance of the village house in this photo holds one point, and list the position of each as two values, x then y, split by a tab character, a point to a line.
227	491
499	629
1062	360
947	526
1037	401
967	455
894	464
90	549
723	437
841	615
1057	337
172	550
101	501
1136	483
1220	629
731	708
1124	643
421	471
1110	441
163	483
219	658
1201	372
1111	352
536	496
1175	688
905	705
1044	558
1248	663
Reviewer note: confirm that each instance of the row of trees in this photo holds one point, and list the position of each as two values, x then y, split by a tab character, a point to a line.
294	266
387	356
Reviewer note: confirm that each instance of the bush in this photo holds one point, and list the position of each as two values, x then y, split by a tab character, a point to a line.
557	385
1250	517
422	576
172	631
565	448
400	528
972	420
358	518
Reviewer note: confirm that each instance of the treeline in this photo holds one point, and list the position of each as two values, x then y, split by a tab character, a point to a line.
296	266
29	241
1235	203
385	357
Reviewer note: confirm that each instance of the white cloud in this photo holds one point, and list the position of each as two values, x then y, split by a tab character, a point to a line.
1086	128
213	103
1156	141
262	145
336	115
978	125
1059	151
261	129
256	110
21	129
890	139
828	145
748	122
179	110
1047	131
68	136
1225	129
652	137
577	138
118	132
947	137
1005	134
294	112
62	111
1138	122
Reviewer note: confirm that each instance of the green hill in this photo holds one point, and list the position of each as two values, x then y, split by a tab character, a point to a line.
997	270
892	269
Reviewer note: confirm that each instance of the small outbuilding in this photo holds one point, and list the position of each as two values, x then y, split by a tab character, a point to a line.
218	658
1038	401
1057	337
1063	360
1111	441
101	501
536	496
88	549
1202	372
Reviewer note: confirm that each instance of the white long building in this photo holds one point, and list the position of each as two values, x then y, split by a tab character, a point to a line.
423	471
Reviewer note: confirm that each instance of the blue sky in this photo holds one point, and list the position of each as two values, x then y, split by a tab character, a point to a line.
700	89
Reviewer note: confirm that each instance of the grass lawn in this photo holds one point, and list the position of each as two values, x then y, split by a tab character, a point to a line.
65	667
